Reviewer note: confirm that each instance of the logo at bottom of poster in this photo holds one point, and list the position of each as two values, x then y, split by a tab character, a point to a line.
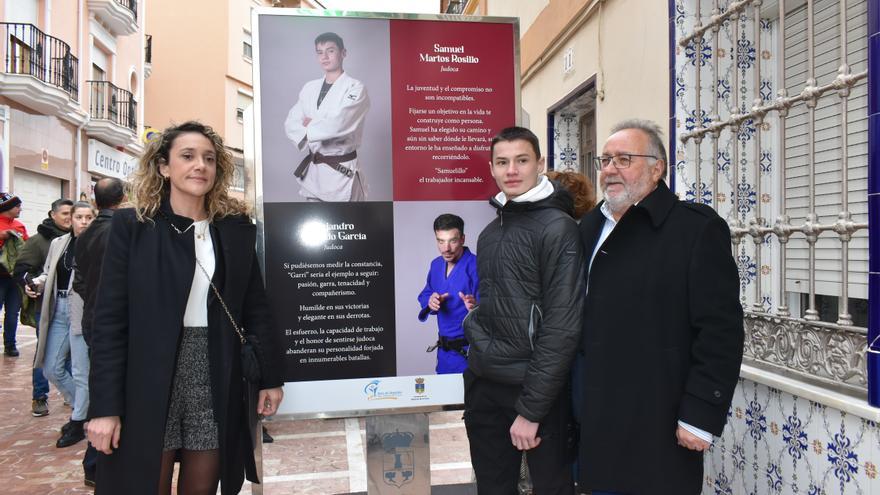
373	392
420	390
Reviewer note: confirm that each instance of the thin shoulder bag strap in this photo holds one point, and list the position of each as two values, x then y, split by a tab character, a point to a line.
241	335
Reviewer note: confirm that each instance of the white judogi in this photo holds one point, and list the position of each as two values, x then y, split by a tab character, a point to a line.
335	129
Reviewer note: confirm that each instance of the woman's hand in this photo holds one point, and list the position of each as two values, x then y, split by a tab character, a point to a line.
269	400
104	432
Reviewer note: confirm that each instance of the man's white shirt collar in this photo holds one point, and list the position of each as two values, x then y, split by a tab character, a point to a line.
607	227
606	212
542	190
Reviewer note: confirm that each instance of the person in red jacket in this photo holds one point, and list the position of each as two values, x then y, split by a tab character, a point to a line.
10	210
10	297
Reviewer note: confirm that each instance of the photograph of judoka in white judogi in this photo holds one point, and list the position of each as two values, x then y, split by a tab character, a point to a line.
325	109
328	120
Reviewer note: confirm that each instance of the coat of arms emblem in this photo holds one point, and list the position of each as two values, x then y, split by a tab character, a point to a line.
399	460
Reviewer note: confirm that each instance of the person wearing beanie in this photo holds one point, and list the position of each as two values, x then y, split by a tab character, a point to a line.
10	210
11	230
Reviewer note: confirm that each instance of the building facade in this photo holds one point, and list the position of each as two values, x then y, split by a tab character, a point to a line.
584	66
203	71
71	97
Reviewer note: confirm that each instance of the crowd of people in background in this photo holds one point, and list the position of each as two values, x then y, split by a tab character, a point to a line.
48	281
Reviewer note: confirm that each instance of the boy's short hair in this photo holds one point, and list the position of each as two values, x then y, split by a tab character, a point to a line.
330	38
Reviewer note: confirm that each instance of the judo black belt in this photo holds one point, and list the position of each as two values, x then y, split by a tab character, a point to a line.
334	162
454	345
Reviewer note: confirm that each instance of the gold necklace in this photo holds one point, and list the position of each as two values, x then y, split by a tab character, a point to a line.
201	235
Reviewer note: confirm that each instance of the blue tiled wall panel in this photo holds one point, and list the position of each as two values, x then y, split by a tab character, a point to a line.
673	145
874	237
874	156
672	137
873	364
873	17
874	292
873	360
874	73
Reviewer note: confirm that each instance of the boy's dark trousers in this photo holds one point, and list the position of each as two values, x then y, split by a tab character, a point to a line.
488	416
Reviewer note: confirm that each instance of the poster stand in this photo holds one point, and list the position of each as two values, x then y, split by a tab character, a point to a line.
257	488
342	276
445	84
398	456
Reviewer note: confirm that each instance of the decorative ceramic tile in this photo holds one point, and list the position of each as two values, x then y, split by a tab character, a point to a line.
733	173
566	142
778	443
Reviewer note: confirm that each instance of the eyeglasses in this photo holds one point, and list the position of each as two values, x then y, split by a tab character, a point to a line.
623	160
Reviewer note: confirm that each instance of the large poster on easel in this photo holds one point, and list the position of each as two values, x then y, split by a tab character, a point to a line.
369	127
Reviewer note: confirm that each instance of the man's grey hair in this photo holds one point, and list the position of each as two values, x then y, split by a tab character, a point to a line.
654	132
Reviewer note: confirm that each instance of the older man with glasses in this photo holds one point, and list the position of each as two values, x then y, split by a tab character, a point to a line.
663	326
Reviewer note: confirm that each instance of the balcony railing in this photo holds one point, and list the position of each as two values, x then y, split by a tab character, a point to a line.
130	5
148	50
456	6
112	103
29	51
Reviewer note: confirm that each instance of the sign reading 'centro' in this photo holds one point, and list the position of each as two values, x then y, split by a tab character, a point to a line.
109	161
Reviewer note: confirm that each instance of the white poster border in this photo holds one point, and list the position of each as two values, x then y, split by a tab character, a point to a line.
357	397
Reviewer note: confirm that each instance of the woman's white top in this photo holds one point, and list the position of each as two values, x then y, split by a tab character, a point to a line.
196	314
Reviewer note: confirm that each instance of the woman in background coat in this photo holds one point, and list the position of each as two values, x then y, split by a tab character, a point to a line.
166	375
59	339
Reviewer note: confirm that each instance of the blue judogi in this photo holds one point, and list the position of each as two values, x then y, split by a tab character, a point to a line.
462	278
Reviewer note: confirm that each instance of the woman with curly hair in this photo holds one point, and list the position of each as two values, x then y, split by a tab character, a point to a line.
166	379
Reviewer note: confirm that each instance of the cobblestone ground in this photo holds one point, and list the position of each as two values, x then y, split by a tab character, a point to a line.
308	457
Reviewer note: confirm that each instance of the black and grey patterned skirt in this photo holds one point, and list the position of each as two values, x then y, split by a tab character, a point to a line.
190	424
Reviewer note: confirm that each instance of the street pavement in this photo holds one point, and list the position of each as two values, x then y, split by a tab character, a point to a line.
308	456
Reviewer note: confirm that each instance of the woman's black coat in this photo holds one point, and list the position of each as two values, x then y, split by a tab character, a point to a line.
146	277
662	342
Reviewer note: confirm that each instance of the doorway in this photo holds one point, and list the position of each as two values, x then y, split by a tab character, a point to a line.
571	125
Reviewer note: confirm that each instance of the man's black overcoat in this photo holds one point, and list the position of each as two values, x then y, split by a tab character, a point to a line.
145	281
89	253
662	342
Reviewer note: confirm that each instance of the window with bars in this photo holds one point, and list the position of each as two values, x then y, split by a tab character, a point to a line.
771	111
776	141
828	149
